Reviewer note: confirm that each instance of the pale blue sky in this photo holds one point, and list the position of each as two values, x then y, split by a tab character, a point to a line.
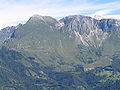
16	11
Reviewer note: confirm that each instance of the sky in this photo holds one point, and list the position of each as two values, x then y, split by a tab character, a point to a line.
13	12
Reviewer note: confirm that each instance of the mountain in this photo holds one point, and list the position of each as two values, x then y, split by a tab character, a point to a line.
75	53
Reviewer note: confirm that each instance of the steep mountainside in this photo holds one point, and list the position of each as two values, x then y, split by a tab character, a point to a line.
74	53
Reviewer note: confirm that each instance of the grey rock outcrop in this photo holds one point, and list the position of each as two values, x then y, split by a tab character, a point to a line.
6	33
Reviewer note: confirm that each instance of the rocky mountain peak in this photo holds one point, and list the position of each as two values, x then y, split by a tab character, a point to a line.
43	19
36	16
74	18
81	24
88	30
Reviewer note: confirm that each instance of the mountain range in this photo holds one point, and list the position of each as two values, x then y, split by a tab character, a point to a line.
74	53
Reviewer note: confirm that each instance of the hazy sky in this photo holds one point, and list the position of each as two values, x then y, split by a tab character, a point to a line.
13	12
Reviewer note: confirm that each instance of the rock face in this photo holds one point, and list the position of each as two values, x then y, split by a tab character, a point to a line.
87	30
6	33
81	24
85	24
